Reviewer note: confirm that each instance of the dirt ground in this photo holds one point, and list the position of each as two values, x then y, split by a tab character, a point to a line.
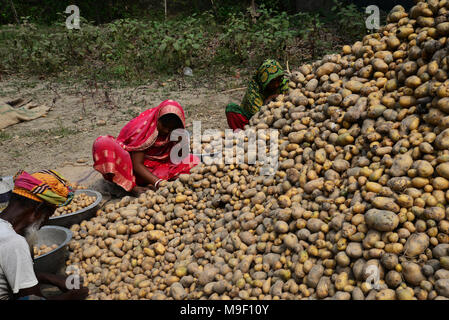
81	112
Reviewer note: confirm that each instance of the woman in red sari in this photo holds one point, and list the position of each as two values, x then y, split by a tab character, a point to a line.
139	158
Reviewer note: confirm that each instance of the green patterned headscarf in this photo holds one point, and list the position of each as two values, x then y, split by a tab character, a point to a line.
255	94
270	69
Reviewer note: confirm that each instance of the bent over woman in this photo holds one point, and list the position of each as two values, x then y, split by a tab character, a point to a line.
266	85
139	158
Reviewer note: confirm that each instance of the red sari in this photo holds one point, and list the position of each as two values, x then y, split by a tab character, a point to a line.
112	155
236	120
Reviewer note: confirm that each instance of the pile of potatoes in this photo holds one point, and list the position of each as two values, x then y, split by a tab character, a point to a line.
358	208
79	202
43	249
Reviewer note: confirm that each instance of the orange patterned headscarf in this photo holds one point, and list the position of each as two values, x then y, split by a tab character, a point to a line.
45	185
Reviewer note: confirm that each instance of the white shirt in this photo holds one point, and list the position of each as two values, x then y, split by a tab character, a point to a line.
16	264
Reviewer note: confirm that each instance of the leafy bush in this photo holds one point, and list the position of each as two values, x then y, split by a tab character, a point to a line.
135	49
269	36
350	19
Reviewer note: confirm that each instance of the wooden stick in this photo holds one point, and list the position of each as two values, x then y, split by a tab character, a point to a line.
232	90
14	10
253	10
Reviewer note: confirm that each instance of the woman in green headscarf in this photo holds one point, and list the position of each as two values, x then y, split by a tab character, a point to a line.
265	86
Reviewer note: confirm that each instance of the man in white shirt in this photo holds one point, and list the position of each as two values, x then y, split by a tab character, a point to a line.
19	222
16	264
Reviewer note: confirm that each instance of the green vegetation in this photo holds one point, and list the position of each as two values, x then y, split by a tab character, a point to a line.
137	49
5	136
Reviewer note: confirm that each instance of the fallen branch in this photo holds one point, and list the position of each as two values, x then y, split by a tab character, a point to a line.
14	11
232	90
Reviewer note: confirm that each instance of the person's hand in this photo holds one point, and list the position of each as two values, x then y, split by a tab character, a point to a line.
79	294
157	184
75	294
137	190
270	98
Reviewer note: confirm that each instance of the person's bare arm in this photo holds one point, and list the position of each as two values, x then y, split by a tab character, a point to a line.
35	290
139	168
270	98
59	281
77	294
53	279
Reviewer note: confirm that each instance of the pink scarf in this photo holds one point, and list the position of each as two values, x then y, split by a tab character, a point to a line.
141	132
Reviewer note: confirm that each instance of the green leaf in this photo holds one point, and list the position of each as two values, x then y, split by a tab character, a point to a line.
162	47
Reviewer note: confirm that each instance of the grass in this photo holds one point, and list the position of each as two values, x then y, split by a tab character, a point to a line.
132	112
16	153
59	131
62	132
4	136
28	84
189	108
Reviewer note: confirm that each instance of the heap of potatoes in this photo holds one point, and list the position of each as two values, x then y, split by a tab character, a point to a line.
79	202
43	249
358	208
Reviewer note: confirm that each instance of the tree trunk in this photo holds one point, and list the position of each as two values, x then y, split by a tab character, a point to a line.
15	12
214	8
253	11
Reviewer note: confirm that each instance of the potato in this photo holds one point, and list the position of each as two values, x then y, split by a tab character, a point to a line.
386	294
393	279
442	140
381	220
385	203
404	293
354	86
412	273
442	287
443	28
323	286
314	275
443	170
416	244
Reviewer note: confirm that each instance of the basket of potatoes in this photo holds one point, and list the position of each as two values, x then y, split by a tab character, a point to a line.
50	250
82	207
